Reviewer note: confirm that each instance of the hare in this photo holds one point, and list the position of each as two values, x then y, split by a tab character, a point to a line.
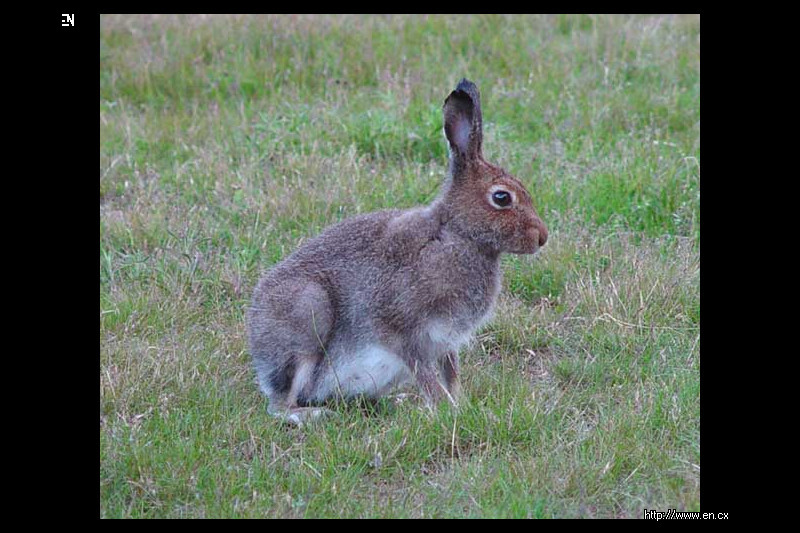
387	297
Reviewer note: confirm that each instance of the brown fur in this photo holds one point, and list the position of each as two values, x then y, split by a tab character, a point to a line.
391	295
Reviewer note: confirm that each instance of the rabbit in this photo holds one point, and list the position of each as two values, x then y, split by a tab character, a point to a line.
388	297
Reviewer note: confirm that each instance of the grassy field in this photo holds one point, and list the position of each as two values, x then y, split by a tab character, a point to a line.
227	140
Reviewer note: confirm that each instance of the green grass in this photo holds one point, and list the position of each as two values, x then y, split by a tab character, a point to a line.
228	140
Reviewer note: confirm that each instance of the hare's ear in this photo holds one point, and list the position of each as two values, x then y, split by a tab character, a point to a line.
462	123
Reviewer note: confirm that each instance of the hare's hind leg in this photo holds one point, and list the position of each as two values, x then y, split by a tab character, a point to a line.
289	327
286	407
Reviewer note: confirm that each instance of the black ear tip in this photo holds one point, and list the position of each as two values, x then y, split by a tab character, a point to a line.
466	86
468	89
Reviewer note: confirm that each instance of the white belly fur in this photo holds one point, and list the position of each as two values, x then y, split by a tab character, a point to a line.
374	370
371	371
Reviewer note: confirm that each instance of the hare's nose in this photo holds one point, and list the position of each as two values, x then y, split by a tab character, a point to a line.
542	233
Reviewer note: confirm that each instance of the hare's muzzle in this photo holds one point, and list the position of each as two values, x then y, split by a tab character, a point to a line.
537	235
542	233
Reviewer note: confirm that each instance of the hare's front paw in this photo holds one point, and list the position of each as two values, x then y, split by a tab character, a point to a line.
433	391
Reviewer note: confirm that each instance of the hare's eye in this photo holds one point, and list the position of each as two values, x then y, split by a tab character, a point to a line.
501	198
